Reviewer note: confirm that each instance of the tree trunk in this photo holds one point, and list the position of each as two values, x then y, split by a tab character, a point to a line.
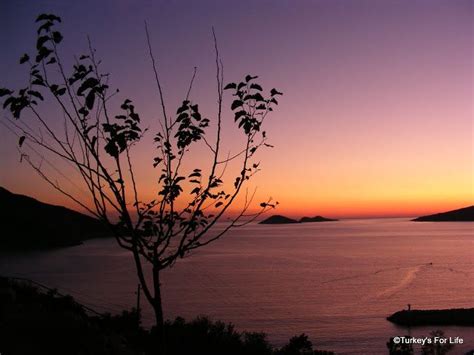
159	336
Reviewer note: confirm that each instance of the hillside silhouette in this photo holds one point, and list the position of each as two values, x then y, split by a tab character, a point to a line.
30	224
460	215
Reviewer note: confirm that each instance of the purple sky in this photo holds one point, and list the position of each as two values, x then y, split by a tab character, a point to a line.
376	117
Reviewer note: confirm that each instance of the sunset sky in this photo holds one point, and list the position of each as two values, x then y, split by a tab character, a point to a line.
376	117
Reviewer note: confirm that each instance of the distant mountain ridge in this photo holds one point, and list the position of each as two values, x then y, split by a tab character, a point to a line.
465	214
279	219
27	223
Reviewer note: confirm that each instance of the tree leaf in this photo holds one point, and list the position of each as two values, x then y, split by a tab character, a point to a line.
38	81
258	97
230	86
274	92
250	77
41	41
42	17
90	98
36	94
24	58
89	83
236	103
256	87
4	92
57	37
21	140
239	114
60	92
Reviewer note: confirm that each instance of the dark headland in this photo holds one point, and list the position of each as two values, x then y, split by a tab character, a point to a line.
460	215
27	223
457	316
278	219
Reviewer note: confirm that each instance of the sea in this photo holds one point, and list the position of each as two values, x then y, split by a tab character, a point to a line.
334	281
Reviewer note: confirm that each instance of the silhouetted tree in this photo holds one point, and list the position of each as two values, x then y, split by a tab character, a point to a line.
98	144
298	345
436	347
399	348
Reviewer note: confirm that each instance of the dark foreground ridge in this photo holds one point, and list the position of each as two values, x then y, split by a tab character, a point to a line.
458	316
27	223
278	219
38	320
461	215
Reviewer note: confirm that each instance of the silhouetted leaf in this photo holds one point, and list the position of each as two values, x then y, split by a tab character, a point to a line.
182	109
41	41
8	101
21	140
60	92
250	77
274	92
38	82
48	17
256	87
230	86
236	103
89	83
219	204
45	26
57	37
42	17
258	97
25	57
42	54
4	92
54	18
239	114
52	60
36	94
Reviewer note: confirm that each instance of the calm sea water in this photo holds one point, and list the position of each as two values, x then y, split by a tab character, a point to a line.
335	281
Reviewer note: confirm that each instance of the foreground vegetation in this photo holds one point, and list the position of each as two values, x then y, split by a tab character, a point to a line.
37	322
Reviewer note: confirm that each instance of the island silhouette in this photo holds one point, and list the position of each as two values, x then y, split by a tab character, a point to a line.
279	219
